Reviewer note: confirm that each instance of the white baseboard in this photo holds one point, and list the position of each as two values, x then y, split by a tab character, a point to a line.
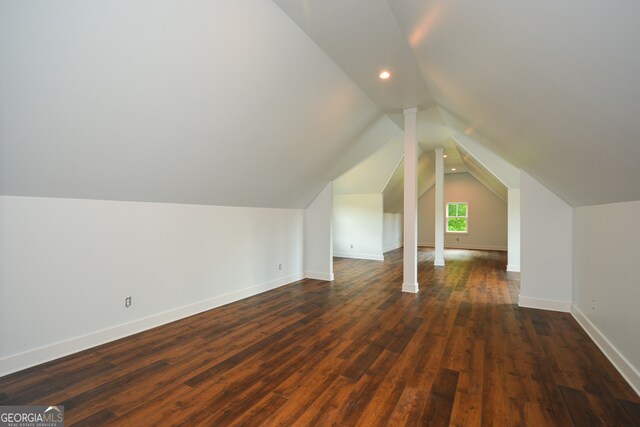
410	287
469	247
626	369
50	352
329	277
623	366
544	304
354	255
392	247
513	268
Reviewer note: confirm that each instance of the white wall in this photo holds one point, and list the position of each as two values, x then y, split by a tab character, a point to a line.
66	266
318	236
391	231
546	247
513	229
487	215
357	226
605	259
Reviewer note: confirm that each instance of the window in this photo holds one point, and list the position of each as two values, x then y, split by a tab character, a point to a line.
457	217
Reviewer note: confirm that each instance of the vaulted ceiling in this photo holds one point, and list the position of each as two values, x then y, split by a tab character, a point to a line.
383	171
213	102
260	103
553	87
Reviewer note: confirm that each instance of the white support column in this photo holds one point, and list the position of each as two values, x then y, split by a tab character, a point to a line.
439	236
513	230
410	274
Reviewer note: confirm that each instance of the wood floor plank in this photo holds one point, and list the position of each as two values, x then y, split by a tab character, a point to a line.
355	351
579	408
103	417
383	403
440	401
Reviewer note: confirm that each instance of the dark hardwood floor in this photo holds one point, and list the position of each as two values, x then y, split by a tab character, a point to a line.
356	351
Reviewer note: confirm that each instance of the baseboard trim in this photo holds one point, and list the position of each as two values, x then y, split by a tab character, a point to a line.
410	288
469	247
392	248
628	372
329	277
513	268
371	257
544	304
60	349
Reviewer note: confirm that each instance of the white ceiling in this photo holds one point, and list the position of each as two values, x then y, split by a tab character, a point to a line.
382	171
363	38
432	133
550	86
372	174
234	103
485	177
393	194
219	102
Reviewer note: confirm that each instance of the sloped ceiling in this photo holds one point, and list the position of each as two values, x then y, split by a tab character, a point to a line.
220	102
234	103
485	177
433	132
393	194
550	86
363	37
372	174
553	86
383	171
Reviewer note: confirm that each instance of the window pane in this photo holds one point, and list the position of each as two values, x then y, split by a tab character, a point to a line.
456	224
462	209
451	209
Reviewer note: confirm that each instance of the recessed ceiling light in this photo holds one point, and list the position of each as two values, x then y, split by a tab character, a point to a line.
385	75
453	169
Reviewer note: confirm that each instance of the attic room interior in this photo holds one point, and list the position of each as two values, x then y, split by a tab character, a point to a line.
307	212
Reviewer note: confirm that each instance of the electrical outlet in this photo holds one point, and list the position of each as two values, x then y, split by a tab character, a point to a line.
593	304
279	266
127	302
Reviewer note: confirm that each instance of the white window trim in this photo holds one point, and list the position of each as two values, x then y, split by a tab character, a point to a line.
446	218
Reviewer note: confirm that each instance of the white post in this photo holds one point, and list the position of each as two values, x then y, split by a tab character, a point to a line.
410	275
439	236
513	230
